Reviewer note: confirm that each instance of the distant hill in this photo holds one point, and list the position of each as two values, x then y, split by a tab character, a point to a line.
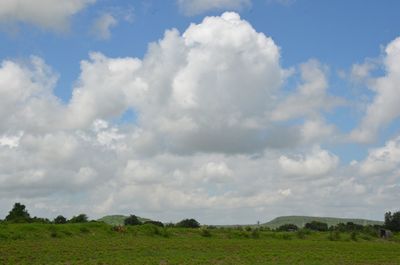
118	219
300	221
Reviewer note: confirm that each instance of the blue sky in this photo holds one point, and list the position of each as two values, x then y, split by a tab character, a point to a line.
300	94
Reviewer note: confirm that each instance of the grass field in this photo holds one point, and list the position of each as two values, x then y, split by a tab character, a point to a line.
97	243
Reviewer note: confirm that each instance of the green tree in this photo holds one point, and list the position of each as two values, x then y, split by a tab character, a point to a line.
317	226
60	220
132	220
392	221
18	214
287	228
188	223
82	218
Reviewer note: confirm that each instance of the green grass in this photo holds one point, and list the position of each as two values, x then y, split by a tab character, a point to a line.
97	243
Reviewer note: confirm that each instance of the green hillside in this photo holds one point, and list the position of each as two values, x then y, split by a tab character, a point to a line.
300	221
118	219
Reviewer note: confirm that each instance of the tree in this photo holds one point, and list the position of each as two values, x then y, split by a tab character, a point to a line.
188	223
392	221
157	223
18	214
287	228
132	220
317	226
60	220
82	218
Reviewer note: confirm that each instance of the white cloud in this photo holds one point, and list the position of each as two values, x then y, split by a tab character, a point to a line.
195	7
384	108
318	163
101	27
48	14
382	160
203	144
310	98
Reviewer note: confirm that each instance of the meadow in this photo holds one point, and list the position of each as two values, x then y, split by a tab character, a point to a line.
100	243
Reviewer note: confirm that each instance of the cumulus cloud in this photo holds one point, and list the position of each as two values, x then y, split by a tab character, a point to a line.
203	144
310	98
382	160
384	107
195	7
48	14
318	162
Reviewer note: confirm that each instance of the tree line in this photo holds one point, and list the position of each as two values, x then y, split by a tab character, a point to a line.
19	214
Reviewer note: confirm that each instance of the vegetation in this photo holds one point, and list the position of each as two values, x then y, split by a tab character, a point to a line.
18	214
317	226
188	223
392	221
132	220
300	221
26	240
287	228
119	219
99	243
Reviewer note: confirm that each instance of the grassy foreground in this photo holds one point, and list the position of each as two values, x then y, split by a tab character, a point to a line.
97	243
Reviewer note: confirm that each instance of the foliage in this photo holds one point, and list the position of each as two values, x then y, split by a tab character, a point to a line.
317	226
18	214
287	228
60	220
156	223
205	232
188	223
132	220
392	221
40	220
81	218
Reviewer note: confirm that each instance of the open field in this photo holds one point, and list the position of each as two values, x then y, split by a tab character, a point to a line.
97	243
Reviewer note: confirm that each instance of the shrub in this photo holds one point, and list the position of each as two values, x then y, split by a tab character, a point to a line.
287	228
392	221
317	226
18	214
82	218
188	223
205	232
156	223
60	220
132	220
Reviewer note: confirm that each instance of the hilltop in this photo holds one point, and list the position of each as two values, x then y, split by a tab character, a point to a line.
300	221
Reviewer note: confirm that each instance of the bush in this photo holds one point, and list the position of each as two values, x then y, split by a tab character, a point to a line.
353	236
18	214
132	220
301	233
82	218
255	233
392	221
188	223
60	220
205	232
287	228
156	223
317	226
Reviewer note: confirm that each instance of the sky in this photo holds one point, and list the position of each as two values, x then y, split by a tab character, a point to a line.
226	111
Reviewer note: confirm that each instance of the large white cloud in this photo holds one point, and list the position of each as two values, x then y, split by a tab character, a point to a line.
194	7
203	145
49	14
384	108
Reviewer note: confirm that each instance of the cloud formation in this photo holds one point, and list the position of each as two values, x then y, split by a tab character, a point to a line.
384	107
212	139
47	14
